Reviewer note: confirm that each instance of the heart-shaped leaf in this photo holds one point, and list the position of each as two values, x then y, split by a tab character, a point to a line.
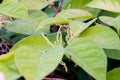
34	54
32	60
88	55
109	5
104	36
33	41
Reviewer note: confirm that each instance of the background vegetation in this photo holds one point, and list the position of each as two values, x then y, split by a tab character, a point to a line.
59	39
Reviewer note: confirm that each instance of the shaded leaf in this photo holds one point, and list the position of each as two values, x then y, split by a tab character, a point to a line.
88	55
114	74
108	13
50	21
52	37
112	53
28	26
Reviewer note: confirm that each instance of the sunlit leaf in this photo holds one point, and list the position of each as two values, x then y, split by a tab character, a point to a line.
79	4
110	5
7	67
74	13
108	20
77	26
111	21
34	4
13	9
34	54
104	36
32	41
88	55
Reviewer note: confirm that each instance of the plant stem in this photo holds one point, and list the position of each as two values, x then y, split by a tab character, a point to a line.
54	28
60	4
56	9
53	5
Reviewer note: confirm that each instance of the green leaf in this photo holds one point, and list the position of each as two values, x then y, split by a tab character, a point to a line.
34	4
88	55
110	5
10	0
104	36
7	67
28	26
108	20
50	21
77	26
6	57
80	4
114	74
52	37
112	53
108	13
33	41
73	14
34	54
13	9
111	21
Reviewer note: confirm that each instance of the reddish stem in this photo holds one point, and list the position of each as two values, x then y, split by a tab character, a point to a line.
56	9
60	4
59	7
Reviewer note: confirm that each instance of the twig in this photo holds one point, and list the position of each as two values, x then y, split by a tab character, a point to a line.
56	9
53	6
59	7
60	4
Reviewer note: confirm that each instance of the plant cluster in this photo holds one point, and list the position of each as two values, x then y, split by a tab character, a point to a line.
49	32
